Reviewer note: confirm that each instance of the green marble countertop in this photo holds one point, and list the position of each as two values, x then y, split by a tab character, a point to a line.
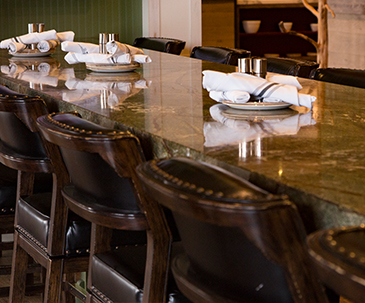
316	157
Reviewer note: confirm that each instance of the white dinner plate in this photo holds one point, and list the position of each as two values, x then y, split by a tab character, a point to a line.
257	105
29	53
112	68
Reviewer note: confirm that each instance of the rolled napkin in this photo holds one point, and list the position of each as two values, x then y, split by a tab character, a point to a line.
46	45
217	81
234	96
73	58
30	38
116	48
79	47
66	36
15	47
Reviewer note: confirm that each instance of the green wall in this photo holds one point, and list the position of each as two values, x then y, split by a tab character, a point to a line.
87	18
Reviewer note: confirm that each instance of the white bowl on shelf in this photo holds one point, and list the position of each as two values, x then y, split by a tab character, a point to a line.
314	27
287	25
251	26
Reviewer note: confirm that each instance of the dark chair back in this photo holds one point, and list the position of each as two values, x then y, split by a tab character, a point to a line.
166	45
345	76
338	255
239	241
222	55
106	191
289	66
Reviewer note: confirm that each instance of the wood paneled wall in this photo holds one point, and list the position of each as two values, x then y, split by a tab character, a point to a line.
87	18
218	23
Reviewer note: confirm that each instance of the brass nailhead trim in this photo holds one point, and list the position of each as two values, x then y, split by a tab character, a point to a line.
180	182
27	234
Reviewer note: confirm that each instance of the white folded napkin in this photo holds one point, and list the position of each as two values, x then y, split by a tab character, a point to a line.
30	38
233	95
46	45
217	81
79	47
15	47
284	79
66	36
116	48
73	58
232	131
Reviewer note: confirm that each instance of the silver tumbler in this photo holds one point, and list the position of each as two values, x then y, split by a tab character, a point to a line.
259	67
103	39
245	65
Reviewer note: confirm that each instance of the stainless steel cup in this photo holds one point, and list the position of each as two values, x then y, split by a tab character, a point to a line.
103	39
32	28
245	65
40	27
113	37
259	67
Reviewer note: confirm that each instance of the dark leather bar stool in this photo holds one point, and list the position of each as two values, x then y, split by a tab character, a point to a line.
219	54
339	257
105	190
240	243
42	230
166	45
289	66
345	76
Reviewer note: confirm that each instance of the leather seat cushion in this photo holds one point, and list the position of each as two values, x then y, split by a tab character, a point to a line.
119	275
289	66
33	215
345	76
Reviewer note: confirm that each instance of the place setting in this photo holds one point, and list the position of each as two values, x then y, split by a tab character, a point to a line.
37	42
109	56
253	89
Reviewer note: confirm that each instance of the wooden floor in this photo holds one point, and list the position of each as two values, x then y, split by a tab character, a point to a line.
5	281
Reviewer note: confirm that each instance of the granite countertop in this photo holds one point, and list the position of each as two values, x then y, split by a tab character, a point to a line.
315	157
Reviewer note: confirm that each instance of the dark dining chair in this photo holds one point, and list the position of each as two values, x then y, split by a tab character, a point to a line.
161	44
239	242
222	55
44	230
345	76
289	66
338	254
105	190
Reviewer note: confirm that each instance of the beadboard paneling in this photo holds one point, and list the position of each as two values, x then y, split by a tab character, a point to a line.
87	18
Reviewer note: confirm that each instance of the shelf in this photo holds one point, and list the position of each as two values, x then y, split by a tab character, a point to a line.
269	39
308	33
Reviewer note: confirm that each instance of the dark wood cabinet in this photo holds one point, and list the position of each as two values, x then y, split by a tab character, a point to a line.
269	39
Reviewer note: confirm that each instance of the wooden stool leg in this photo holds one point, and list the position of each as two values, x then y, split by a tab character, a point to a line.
18	272
52	291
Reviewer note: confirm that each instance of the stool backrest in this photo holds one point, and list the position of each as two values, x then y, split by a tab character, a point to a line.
239	240
222	55
166	45
345	76
289	66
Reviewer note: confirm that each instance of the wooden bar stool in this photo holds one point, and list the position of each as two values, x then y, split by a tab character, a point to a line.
338	255
239	243
43	229
105	190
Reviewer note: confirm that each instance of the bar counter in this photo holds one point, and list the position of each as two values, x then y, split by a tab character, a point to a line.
315	157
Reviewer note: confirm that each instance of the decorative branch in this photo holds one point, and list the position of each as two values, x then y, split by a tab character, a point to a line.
310	8
330	10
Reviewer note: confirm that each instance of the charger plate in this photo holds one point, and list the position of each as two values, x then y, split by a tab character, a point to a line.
29	53
112	68
257	105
